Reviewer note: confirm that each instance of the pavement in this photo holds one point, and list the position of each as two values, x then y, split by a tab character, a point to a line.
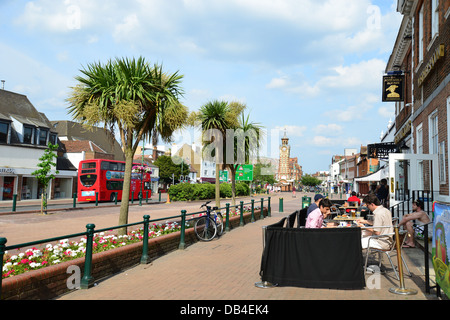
225	269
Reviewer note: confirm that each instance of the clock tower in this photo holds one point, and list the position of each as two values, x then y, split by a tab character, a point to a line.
283	168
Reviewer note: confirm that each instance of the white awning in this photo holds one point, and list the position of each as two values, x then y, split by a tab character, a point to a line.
376	176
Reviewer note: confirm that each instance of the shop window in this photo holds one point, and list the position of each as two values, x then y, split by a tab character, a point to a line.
8	188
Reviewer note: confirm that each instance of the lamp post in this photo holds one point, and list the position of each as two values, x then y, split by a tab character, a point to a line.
142	174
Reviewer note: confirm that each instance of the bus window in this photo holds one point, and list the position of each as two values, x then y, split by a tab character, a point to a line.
105	165
88	180
114	185
88	165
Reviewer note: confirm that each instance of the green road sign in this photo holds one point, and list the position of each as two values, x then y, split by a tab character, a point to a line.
223	176
244	172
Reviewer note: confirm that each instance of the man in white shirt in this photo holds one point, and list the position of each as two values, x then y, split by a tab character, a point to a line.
382	219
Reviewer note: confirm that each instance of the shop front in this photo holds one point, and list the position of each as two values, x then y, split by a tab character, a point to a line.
21	182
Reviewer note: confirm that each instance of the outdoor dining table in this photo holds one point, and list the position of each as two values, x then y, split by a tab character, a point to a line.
313	257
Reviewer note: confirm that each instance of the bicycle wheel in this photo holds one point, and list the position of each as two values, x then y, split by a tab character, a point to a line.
219	223
205	228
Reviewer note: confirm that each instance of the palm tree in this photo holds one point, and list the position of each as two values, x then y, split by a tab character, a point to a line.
216	117
248	138
137	99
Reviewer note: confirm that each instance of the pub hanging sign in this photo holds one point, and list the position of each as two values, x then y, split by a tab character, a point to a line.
393	88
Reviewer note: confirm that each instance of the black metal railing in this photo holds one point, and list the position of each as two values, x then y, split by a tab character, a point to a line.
87	279
405	207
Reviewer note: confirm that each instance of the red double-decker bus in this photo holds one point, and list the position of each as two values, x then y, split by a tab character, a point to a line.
105	177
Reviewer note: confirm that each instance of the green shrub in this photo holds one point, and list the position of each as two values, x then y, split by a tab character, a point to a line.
202	191
225	190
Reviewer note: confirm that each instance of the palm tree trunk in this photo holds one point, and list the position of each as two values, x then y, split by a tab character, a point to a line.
233	185
217	184
124	205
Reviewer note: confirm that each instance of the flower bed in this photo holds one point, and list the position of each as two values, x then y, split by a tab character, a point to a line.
52	281
65	250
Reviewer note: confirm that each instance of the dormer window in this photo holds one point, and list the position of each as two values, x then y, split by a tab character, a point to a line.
52	138
28	134
43	137
4	131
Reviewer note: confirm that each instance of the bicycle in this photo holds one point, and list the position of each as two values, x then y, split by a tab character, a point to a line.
210	225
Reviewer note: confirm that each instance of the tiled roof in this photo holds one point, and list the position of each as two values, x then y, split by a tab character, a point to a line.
80	146
20	108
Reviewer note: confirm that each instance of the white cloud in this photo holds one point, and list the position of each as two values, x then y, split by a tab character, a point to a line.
329	129
128	29
361	75
387	112
291	131
276	83
333	142
34	78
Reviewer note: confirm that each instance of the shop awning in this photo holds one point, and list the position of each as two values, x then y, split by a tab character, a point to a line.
376	176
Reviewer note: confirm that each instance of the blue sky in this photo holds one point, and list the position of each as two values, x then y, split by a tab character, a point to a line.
310	67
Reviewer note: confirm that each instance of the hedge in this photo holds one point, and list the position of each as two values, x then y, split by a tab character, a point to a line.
188	192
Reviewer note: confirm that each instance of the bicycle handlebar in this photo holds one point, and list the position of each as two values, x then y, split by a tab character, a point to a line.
203	205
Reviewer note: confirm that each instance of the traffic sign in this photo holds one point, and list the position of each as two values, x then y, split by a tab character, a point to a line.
223	176
244	172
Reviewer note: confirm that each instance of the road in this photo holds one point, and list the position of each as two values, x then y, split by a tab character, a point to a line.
22	227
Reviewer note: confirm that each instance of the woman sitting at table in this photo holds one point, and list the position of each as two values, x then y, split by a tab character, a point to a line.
315	218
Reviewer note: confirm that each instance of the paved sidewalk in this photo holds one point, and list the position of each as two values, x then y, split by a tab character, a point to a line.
228	268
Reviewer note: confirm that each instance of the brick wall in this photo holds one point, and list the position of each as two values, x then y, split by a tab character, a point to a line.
50	282
434	79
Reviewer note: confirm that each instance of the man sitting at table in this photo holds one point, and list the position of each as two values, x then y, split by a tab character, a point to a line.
315	204
315	218
382	217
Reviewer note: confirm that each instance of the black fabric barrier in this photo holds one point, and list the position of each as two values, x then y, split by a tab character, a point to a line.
313	258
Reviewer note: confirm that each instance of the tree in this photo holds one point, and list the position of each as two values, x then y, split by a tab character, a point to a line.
310	181
133	97
259	173
44	175
216	117
167	167
246	142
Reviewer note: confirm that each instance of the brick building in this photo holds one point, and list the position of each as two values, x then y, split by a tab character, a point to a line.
421	55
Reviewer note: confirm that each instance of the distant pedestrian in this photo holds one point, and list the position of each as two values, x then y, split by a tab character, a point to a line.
382	192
